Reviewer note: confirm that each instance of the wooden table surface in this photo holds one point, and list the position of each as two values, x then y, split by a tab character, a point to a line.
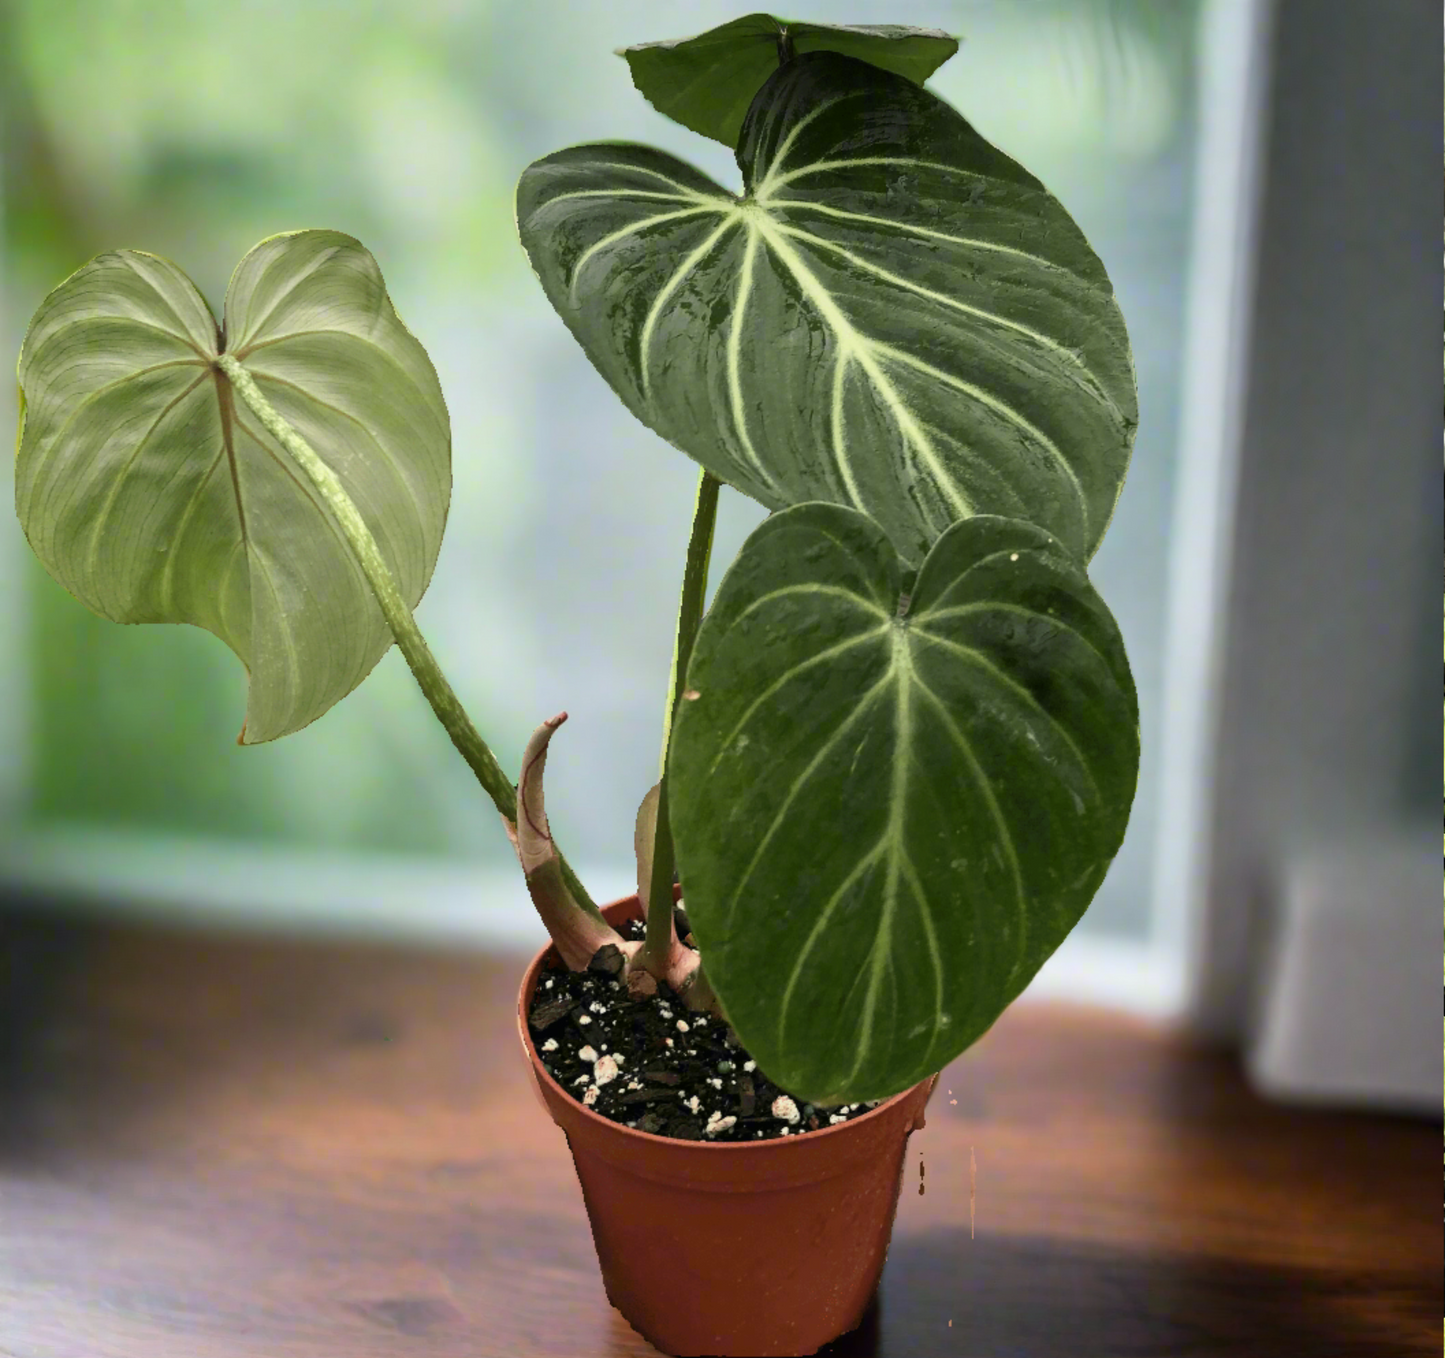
240	1149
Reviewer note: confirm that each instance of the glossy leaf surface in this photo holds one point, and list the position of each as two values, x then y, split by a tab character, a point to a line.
153	495
885	824
707	82
895	316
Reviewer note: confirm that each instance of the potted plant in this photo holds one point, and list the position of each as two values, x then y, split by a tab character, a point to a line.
900	747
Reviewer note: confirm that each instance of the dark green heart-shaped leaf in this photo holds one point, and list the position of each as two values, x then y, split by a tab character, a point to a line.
895	316
885	824
707	82
152	495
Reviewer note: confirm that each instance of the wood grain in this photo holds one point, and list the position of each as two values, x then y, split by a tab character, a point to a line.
215	1148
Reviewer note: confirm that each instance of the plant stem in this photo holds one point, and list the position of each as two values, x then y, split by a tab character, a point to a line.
689	618
394	609
657	947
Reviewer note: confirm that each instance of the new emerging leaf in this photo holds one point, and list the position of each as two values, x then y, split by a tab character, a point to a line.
707	82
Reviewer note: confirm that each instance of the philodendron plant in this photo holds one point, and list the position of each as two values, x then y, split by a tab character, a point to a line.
902	744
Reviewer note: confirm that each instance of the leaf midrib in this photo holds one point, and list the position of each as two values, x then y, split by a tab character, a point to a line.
893	838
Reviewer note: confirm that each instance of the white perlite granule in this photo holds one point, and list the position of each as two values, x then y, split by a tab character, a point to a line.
836	1117
587	1054
785	1109
715	1082
634	1084
582	1018
750	1066
606	1070
549	985
550	1045
590	1097
717	1123
616	1056
692	1103
682	1025
582	1079
597	1007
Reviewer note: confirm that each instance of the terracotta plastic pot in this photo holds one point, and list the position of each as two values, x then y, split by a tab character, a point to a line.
740	1249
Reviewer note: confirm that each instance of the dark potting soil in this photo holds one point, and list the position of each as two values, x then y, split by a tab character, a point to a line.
655	1065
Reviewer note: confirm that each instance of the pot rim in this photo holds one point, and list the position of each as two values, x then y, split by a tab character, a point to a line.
533	974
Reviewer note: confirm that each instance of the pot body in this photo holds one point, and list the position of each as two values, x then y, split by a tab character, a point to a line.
734	1249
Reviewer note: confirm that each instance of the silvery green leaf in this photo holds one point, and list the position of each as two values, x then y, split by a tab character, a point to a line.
153	495
894	316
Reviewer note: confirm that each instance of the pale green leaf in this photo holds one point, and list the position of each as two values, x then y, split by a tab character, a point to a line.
889	811
153	495
894	316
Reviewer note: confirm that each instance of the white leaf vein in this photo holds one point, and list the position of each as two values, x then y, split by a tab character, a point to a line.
734	361
829	653
631	229
998	605
819	925
781	155
995	811
893	837
654	312
999	407
864	702
979	659
838	429
913	229
847	163
1090	383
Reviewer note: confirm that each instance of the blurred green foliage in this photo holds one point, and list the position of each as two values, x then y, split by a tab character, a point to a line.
193	129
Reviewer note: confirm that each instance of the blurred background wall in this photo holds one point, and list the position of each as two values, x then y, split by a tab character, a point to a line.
1313	934
193	130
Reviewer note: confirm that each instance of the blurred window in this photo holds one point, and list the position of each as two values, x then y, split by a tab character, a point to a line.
194	131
